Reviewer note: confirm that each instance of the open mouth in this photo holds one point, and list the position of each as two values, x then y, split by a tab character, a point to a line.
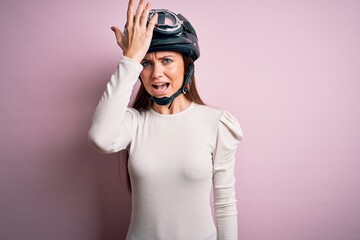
160	86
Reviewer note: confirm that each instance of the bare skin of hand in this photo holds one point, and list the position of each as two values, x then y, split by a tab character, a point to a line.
136	38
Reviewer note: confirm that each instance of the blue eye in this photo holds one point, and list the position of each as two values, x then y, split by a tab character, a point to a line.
167	60
145	64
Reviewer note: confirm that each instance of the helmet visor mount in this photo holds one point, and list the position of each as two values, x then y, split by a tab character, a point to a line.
168	22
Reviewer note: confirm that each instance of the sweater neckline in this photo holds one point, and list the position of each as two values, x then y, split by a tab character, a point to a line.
174	114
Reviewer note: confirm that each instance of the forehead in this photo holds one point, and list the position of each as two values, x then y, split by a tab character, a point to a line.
161	54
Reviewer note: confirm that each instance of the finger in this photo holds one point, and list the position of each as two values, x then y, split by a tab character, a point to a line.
139	11
119	37
152	23
130	13
145	15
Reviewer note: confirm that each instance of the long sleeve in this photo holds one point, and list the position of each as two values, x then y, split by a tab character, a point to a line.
228	136
113	122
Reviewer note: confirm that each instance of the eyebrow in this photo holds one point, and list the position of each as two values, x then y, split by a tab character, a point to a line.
160	58
169	55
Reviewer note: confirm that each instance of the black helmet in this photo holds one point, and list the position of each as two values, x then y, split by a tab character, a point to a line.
173	32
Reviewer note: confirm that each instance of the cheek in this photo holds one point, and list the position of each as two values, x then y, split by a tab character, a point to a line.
144	76
177	77
145	79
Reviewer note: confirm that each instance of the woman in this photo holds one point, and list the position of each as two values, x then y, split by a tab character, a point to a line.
178	147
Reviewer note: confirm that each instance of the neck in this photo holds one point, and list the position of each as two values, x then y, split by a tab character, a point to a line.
179	104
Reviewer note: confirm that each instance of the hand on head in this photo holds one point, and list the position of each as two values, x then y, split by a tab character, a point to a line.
136	38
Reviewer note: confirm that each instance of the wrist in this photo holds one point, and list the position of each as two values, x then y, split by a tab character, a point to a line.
133	56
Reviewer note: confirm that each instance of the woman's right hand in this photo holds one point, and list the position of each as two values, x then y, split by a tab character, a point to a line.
136	38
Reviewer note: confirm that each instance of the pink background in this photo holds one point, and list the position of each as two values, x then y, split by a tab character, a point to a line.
288	70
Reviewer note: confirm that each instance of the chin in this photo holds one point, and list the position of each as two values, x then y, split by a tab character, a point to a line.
161	95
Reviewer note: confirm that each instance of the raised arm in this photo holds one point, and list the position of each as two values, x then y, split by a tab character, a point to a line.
113	123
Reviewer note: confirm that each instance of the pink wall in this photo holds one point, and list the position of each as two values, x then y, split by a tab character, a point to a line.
288	70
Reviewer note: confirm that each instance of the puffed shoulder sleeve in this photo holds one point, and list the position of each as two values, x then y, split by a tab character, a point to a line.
228	136
113	122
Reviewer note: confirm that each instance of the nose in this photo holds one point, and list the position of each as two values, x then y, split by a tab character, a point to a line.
157	71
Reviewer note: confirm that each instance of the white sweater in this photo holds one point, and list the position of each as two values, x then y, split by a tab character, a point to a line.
174	160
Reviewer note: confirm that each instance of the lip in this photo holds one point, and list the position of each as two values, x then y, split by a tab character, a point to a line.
159	88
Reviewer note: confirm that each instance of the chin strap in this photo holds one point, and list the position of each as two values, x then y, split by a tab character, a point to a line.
184	89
